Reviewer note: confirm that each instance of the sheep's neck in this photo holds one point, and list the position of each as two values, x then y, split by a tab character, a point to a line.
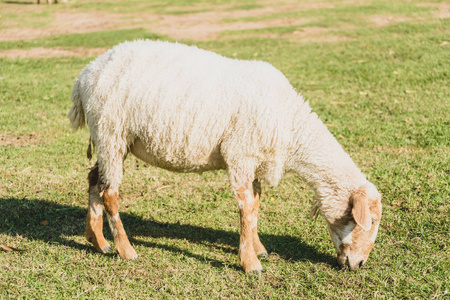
318	158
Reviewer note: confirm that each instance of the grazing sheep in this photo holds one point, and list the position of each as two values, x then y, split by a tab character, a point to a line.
189	110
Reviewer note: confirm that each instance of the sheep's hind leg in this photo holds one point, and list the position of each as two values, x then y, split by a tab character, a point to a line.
247	256
121	242
260	250
111	152
94	221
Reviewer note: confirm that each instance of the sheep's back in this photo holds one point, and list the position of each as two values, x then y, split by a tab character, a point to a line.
183	102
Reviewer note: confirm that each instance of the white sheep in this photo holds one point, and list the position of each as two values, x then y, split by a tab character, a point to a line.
189	110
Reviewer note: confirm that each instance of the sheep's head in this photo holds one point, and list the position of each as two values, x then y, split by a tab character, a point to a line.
354	233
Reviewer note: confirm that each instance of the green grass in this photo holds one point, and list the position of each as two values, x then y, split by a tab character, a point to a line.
276	30
384	95
100	39
159	7
32	19
344	15
340	11
246	6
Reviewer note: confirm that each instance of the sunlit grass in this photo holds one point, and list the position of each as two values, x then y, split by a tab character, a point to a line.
383	93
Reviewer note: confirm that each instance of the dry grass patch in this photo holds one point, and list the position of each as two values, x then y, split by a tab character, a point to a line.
33	138
41	52
66	22
191	26
389	20
305	34
210	28
206	24
443	9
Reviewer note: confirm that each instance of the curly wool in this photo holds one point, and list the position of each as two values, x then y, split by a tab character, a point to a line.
190	110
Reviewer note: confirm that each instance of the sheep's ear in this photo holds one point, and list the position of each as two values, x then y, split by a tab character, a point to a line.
361	211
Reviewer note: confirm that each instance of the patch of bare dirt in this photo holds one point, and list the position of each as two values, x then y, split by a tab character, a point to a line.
209	24
306	34
66	22
51	52
443	9
202	25
19	141
317	34
194	26
389	20
210	28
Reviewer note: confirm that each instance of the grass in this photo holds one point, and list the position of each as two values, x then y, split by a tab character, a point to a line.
383	93
350	13
277	30
100	39
172	7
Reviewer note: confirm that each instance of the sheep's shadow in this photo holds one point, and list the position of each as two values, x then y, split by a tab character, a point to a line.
23	217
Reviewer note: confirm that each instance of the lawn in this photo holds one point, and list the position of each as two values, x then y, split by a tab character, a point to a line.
376	72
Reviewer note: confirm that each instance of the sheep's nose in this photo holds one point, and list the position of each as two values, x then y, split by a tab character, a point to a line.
355	266
361	263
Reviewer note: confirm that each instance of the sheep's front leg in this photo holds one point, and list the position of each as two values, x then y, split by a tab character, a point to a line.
94	221
247	255
260	250
122	244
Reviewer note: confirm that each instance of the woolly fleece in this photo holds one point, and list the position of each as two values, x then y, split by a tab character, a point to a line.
190	110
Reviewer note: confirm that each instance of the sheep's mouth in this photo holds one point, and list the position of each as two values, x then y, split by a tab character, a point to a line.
344	262
355	266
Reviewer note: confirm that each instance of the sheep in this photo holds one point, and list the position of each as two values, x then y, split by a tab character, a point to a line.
186	109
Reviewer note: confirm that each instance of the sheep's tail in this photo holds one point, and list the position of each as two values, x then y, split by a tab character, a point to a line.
76	113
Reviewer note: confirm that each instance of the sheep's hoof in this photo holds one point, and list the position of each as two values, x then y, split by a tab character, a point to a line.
127	252
263	254
107	249
255	268
129	256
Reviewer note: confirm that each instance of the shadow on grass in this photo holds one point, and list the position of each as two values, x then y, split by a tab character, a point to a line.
23	217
